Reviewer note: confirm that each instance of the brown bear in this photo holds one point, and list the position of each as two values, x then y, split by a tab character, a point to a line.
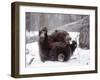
55	47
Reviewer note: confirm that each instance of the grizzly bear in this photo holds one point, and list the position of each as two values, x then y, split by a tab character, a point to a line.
55	47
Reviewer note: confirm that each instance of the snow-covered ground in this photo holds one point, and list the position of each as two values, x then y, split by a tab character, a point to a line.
80	56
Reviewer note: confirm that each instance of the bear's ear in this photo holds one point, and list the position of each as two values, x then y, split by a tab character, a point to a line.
56	30
44	29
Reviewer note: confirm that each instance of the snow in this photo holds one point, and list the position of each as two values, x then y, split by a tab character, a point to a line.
33	52
31	33
80	56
